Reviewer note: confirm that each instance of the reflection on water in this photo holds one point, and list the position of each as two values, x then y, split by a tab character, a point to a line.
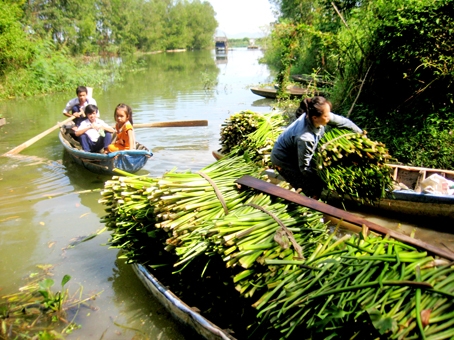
79	177
221	57
265	102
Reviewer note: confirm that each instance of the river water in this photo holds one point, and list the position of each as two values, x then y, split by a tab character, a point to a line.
48	203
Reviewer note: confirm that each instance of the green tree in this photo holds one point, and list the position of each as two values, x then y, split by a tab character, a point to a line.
202	24
15	48
176	26
392	63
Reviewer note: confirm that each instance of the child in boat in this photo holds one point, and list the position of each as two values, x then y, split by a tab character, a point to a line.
76	106
94	133
125	133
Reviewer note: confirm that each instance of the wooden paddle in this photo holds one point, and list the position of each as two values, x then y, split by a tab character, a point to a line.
176	123
292	196
21	147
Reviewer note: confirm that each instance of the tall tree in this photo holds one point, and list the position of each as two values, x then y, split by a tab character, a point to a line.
15	49
202	24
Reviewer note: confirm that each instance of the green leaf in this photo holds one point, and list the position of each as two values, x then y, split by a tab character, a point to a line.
65	280
46	284
382	324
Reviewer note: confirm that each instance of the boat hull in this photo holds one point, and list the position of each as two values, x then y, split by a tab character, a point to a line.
434	206
293	92
130	161
272	93
403	202
180	311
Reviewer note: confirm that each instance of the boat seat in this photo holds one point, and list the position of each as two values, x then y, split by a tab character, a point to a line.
141	147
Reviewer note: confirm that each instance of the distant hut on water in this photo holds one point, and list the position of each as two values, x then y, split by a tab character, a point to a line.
252	45
221	43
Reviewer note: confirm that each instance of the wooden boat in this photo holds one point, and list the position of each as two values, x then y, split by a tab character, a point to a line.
128	160
411	201
294	92
208	330
181	311
408	202
407	199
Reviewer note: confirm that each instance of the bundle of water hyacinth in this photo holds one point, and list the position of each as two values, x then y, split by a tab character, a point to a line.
349	163
300	278
251	134
352	164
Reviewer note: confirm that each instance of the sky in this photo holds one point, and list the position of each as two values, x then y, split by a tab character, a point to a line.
242	18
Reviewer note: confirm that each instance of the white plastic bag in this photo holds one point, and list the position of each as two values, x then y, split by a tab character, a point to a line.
436	184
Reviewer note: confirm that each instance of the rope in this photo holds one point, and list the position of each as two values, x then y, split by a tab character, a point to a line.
281	231
216	190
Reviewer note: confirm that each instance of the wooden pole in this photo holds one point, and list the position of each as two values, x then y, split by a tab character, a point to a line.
21	147
294	197
176	123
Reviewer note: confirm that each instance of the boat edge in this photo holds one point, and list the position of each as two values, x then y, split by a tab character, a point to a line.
179	310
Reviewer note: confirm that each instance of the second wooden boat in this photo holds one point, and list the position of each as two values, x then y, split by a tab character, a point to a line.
409	202
294	92
128	160
409	199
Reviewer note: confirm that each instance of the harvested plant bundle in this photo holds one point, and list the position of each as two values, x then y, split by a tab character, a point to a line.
141	209
349	285
352	164
302	278
235	129
251	134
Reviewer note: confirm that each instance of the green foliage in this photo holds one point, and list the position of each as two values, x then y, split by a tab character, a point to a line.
426	142
15	50
392	62
243	42
36	312
122	26
42	41
51	71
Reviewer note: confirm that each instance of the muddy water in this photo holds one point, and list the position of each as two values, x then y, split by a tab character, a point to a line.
48	204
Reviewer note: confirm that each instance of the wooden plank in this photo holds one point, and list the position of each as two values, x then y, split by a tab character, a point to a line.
421	177
176	123
292	196
395	174
414	168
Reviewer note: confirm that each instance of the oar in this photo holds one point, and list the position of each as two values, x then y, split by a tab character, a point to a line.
292	196
21	147
175	123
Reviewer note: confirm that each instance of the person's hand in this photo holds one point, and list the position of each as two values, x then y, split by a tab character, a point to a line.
364	132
